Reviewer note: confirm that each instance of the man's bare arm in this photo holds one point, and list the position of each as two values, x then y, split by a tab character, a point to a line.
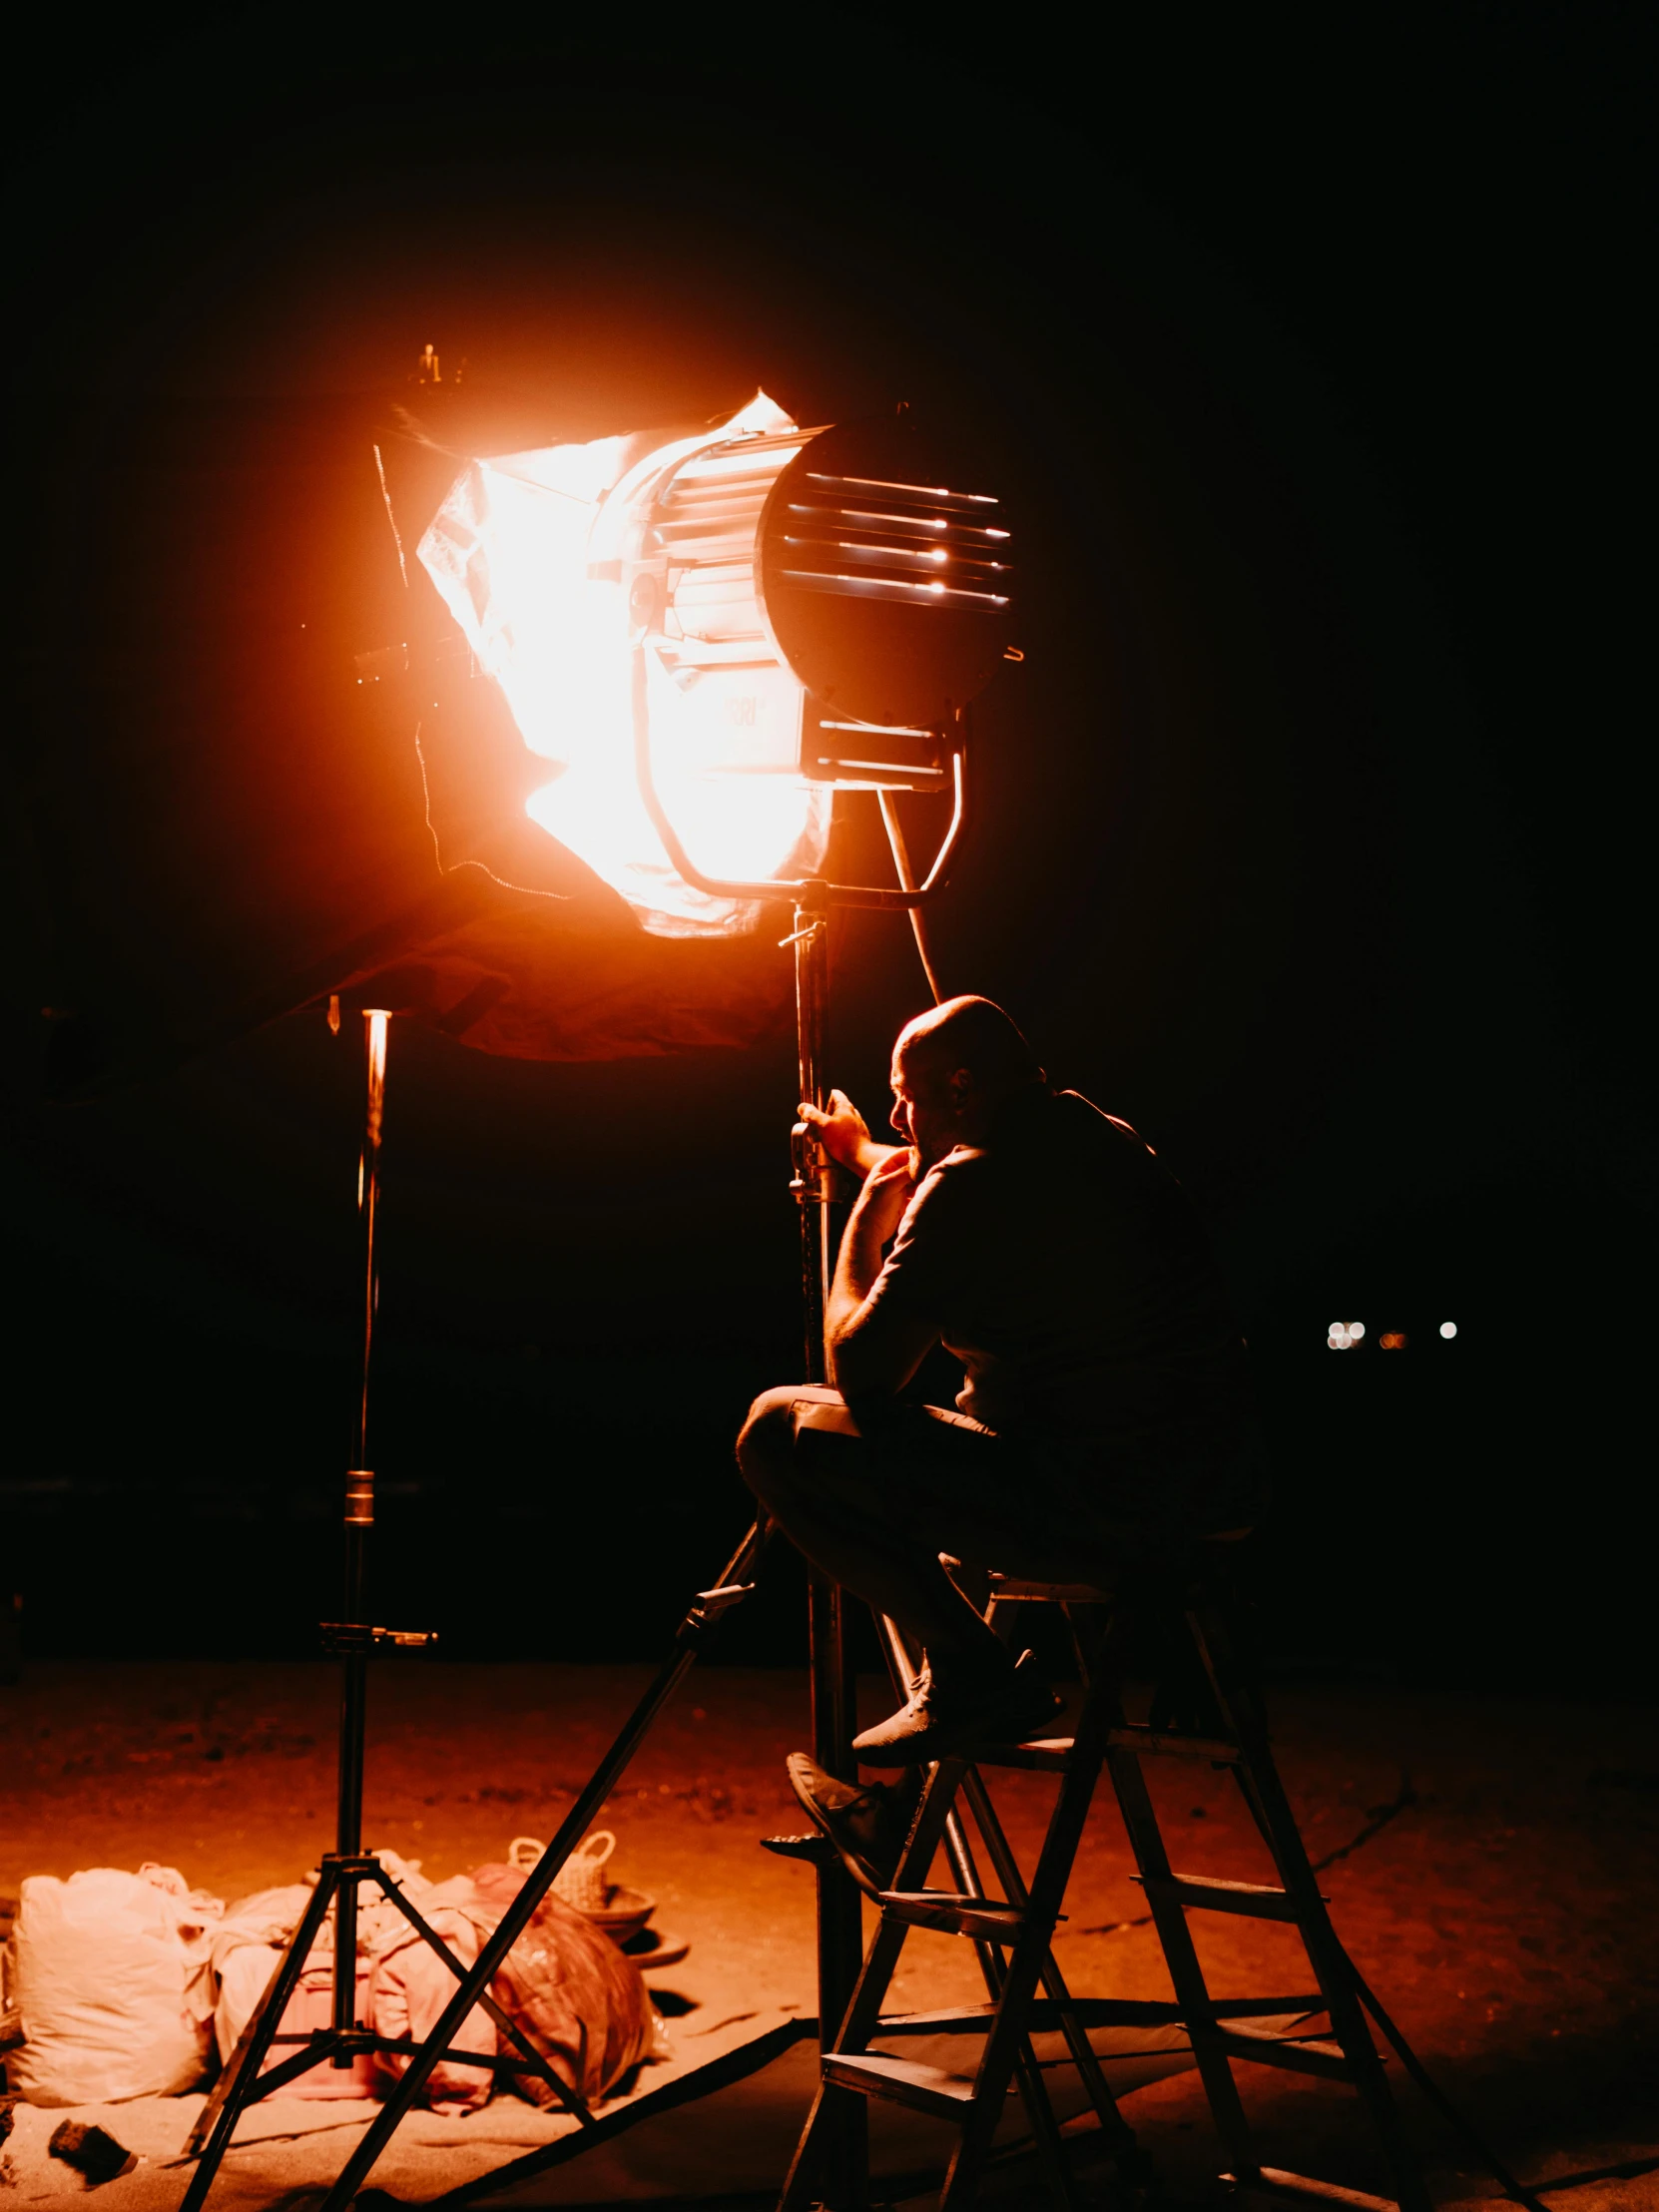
874	1351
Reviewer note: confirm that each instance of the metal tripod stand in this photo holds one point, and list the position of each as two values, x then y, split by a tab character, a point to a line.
348	1869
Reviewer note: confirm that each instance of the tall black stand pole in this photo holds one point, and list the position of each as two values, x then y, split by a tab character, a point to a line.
245	2077
839	1916
359	1520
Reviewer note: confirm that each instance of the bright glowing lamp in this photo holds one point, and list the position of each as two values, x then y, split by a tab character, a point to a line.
706	636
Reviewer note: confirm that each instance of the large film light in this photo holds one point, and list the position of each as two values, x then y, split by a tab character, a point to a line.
702	638
706	636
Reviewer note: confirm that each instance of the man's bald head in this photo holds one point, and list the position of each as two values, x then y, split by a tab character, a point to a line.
952	1068
973	1034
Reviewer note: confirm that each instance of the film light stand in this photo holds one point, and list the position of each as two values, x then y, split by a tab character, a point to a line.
817	1187
347	1870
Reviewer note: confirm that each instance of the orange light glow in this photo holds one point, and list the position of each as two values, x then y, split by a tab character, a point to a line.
528	552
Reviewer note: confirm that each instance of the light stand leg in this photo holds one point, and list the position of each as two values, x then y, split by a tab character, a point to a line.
736	1583
845	2171
239	2084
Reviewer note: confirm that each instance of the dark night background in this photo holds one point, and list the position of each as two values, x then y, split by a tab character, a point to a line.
1308	837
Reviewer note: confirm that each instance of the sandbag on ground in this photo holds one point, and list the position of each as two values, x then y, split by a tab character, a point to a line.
580	2001
113	1985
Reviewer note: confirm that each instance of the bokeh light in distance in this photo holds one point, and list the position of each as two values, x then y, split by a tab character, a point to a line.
1448	1329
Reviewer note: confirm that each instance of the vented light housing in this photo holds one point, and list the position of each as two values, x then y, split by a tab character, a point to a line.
735	623
887	585
815	604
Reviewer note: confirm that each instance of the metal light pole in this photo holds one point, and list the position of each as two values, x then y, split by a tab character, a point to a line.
839	1912
359	1520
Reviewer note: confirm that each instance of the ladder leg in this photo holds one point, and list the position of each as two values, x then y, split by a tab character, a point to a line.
826	2115
1039	2109
829	2109
1181	1957
1180	1953
926	1829
1115	2127
1031	1951
1113	2124
1264	1792
903	1666
864	2011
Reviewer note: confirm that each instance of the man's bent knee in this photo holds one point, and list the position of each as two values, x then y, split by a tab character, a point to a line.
765	1445
769	1440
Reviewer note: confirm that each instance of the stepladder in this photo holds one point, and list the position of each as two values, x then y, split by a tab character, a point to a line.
1205	1708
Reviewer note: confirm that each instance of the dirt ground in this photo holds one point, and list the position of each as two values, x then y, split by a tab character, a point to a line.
1490	1868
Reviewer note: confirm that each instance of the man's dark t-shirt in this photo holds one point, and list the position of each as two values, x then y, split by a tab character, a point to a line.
1062	1264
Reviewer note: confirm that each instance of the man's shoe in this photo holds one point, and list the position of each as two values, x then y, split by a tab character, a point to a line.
868	1826
939	1722
814	1850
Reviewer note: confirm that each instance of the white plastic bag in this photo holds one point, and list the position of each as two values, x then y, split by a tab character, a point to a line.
113	1985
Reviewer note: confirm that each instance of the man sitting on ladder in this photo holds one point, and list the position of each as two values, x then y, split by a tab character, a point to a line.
1106	1422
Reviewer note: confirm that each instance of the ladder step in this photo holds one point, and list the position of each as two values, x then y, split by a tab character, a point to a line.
1160	1743
1053	1754
953	1912
1043	1755
1209	1894
1265	2048
1048	1593
947	2096
1274	2182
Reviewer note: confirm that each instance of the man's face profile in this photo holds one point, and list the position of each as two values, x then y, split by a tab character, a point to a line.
951	1069
927	1102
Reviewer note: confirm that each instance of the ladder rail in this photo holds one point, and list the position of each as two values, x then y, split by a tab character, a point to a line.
903	1668
1240	1710
1014	1940
1181	1959
852	2034
1083	2055
902	1663
1047	1893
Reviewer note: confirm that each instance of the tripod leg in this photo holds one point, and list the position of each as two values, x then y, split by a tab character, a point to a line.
239	2084
508	2026
539	1880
